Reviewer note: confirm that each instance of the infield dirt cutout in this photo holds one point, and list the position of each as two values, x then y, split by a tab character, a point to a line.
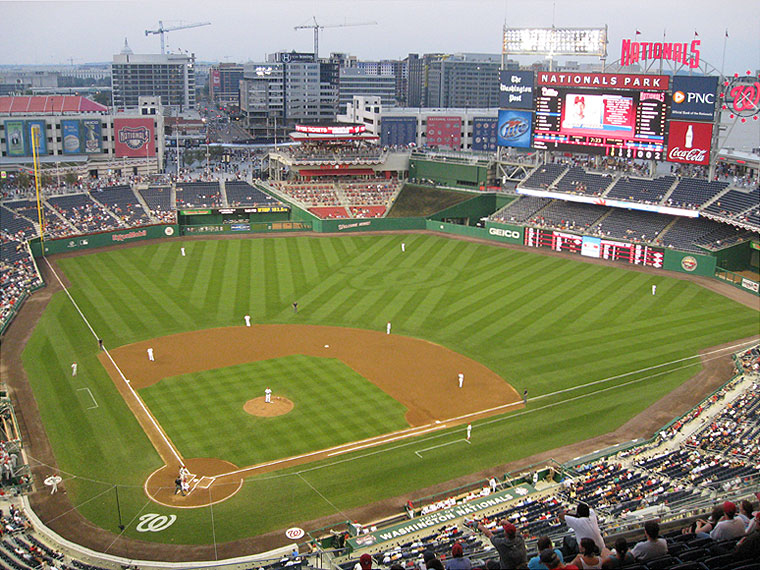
419	374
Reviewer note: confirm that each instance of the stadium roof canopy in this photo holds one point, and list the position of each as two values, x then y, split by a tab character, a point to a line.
49	105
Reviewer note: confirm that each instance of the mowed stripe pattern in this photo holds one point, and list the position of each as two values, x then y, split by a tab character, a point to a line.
511	310
203	412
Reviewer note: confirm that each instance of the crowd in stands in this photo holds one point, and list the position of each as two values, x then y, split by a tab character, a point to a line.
619	504
347	153
198	195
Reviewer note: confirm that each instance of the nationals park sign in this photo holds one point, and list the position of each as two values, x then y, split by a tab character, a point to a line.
441	517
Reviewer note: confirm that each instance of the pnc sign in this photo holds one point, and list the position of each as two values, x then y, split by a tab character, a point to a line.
694	98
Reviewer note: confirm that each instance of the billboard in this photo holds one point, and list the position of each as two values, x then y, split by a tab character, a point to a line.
15	140
618	115
398	131
689	142
484	133
444	131
35	131
514	128
632	51
72	140
91	135
694	98
134	137
515	89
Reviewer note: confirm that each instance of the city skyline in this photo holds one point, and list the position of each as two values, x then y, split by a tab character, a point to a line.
248	31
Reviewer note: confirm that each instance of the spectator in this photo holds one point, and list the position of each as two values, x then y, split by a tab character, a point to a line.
511	547
729	526
365	562
543	543
620	556
653	546
551	561
589	555
746	512
703	527
748	548
584	523
458	561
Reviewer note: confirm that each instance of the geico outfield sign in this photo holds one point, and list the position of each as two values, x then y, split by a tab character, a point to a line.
512	235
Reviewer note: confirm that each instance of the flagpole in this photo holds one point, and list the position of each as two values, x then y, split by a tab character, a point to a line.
663	41
723	57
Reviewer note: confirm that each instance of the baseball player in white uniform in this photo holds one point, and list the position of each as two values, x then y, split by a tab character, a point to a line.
654	289
247	320
268	395
73	368
183	251
469	431
388	328
150	355
461	379
403	247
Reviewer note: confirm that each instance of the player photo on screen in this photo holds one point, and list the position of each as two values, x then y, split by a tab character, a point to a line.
586	114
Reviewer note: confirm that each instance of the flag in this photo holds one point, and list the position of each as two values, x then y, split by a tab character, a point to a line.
638	33
696	35
726	32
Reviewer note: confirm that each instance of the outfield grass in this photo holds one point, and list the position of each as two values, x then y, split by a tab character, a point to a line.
202	413
543	323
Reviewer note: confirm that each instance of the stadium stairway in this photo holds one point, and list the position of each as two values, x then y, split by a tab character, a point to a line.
107	210
50	210
667	194
223	192
141	201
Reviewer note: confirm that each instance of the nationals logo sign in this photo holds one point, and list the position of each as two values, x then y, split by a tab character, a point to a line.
689	142
134	137
742	96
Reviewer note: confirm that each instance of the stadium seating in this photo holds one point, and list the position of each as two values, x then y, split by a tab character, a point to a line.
568	215
544	176
328	212
693	192
578	181
159	201
641	189
632	225
243	194
198	195
83	213
521	209
124	204
733	203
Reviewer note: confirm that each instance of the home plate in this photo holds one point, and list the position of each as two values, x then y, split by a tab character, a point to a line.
327	346
205	482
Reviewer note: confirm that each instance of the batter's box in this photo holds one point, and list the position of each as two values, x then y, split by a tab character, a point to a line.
205	482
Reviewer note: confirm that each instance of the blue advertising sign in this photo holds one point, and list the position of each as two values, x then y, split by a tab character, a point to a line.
398	131
72	140
36	132
93	141
514	128
15	140
515	89
694	98
484	133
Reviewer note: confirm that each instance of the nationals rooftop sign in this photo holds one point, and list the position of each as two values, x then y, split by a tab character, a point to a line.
686	53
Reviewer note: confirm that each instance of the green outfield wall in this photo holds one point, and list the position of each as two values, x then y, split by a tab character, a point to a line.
454	174
53	246
470	211
693	263
369	225
736	257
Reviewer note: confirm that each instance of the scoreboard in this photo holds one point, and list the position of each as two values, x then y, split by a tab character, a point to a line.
633	253
620	123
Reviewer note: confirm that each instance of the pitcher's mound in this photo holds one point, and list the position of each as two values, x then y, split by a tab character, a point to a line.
277	407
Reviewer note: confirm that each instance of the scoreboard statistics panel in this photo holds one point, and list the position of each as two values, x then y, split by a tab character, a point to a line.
599	117
633	253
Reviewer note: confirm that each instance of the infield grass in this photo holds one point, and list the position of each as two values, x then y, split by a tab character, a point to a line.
542	323
332	405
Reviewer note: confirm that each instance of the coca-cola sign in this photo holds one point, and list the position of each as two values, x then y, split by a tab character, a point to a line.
689	142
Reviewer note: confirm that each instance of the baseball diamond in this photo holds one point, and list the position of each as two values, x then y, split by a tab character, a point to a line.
508	319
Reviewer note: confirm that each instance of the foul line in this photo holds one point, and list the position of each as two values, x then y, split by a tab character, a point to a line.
160	431
91	396
418	452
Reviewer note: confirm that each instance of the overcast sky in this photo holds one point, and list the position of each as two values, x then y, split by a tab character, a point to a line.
52	32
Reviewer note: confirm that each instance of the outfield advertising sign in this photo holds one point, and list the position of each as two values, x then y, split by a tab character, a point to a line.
694	98
516	89
72	140
93	140
514	128
505	232
15	141
442	517
36	131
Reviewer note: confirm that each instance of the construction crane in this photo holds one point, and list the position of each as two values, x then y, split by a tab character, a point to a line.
316	27
161	31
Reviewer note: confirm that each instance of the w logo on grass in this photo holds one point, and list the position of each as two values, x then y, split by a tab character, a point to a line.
153	522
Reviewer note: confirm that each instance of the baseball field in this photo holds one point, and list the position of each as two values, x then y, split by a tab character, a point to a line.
352	404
